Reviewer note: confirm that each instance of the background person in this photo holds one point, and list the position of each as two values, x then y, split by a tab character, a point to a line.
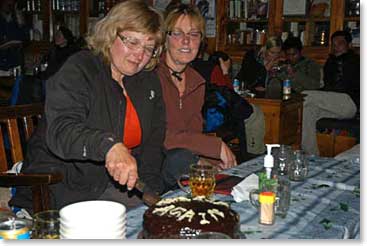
64	46
342	68
183	93
305	74
339	98
13	33
258	68
104	117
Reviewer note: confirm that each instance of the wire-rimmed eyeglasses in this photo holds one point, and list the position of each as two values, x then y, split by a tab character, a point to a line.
135	44
179	35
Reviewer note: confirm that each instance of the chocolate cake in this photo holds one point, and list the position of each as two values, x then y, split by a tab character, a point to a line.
182	217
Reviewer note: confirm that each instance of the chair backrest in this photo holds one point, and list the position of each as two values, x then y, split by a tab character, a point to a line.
15	91
16	126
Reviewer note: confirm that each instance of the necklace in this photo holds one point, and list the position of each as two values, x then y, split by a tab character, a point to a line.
176	74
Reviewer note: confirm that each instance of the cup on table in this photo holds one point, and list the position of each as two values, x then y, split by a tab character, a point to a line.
201	180
299	166
46	225
283	156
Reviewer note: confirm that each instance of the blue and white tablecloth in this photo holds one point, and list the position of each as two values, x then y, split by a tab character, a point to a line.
325	206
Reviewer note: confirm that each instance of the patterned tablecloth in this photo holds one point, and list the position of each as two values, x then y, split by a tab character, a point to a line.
325	206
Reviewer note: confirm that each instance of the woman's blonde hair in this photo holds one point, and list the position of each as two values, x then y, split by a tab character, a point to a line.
132	15
192	11
272	41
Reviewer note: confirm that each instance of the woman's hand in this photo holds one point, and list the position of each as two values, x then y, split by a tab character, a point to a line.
227	157
121	165
273	62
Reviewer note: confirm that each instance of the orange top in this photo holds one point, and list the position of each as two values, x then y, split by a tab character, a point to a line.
132	129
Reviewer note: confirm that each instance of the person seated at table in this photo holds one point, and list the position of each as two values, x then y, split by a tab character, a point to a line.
64	46
183	93
305	74
215	69
104	121
224	111
342	68
339	97
258	68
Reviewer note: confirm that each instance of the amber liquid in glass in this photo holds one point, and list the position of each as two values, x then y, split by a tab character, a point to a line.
202	186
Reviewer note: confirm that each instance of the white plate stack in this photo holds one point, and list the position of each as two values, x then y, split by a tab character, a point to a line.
93	220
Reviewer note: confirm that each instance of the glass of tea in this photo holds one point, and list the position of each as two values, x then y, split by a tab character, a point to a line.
46	225
202	180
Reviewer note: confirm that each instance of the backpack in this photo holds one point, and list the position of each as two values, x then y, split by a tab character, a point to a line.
223	106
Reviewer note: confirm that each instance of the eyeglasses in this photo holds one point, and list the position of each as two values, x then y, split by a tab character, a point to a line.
179	35
135	45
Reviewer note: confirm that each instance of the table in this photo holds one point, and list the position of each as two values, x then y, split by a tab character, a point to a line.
325	206
283	118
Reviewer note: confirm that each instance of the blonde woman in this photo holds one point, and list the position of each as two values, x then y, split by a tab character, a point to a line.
183	92
257	66
104	118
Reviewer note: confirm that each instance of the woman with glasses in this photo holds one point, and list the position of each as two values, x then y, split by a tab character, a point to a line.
258	67
104	121
183	92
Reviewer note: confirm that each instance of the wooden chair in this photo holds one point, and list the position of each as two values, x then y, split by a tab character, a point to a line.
18	122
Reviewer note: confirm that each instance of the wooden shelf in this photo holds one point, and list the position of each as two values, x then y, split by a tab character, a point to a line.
303	19
238	20
276	23
352	18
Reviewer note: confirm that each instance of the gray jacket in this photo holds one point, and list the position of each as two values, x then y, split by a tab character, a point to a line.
307	75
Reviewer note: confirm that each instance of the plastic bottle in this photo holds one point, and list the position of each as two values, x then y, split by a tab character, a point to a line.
236	86
269	160
266	183
287	89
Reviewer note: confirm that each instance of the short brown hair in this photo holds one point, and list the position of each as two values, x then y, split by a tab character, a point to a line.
132	15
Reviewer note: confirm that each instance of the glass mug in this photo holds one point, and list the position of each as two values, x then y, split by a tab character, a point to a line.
46	225
299	166
201	180
282	199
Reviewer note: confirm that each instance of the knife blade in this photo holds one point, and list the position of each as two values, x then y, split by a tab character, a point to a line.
149	197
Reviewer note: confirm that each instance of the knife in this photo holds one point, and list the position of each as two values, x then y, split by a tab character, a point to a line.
149	197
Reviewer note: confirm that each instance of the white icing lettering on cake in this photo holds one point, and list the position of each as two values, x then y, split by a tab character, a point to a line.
172	200
188	214
214	212
203	220
177	211
220	203
163	210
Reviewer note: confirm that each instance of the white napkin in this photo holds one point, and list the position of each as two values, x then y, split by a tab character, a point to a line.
242	190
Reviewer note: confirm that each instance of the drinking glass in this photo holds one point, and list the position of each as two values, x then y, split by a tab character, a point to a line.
299	166
46	225
282	159
202	180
